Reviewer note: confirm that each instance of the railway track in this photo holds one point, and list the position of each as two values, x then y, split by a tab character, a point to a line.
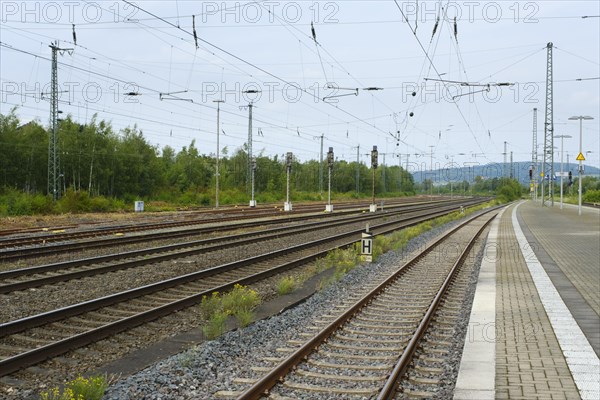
35	276
365	348
28	247
217	214
30	340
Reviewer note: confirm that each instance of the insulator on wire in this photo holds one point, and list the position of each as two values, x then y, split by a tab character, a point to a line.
455	30
74	36
194	29
437	22
416	15
312	29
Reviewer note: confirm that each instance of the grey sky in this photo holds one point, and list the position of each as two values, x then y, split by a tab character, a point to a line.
361	44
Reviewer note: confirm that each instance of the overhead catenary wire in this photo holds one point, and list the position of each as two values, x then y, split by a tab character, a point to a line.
252	65
440	76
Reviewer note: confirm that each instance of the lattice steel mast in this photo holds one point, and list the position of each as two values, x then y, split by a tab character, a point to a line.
548	162
53	153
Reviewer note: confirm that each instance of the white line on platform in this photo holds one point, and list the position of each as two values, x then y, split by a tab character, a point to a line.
477	374
579	354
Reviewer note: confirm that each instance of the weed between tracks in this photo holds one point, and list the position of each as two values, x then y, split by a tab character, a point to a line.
79	389
239	302
286	285
344	260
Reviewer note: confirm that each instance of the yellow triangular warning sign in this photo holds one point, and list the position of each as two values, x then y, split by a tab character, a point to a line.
580	157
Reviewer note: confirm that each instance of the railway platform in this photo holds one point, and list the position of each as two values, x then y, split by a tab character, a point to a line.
534	330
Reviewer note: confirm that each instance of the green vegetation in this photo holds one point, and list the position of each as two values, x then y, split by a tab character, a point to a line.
286	285
240	302
79	389
591	196
344	260
508	190
105	170
590	190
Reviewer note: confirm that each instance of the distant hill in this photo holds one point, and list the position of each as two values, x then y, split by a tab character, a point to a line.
493	170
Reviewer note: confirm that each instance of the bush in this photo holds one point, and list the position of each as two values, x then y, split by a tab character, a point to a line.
100	204
286	285
239	302
241	298
210	305
591	196
42	204
215	325
79	389
74	202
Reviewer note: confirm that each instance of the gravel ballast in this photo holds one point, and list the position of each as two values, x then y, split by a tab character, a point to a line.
200	372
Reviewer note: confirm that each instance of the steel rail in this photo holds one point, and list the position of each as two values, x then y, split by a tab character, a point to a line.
76	309
211	211
30	252
213	244
103	231
389	388
263	385
42	353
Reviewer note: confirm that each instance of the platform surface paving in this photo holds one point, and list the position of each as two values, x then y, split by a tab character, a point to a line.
547	290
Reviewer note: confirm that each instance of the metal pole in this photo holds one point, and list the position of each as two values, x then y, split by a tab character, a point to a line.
249	178
431	166
253	185
580	157
287	195
450	177
357	169
580	162
504	163
321	169
330	161
534	171
373	196
217	164
329	188
569	168
401	175
383	174
562	138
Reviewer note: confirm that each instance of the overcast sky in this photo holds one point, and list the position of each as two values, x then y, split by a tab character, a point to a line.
308	89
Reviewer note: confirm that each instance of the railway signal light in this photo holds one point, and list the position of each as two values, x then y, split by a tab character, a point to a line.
288	160
374	155
530	173
330	157
570	178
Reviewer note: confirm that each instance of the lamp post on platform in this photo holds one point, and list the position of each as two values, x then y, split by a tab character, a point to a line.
562	138
580	157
